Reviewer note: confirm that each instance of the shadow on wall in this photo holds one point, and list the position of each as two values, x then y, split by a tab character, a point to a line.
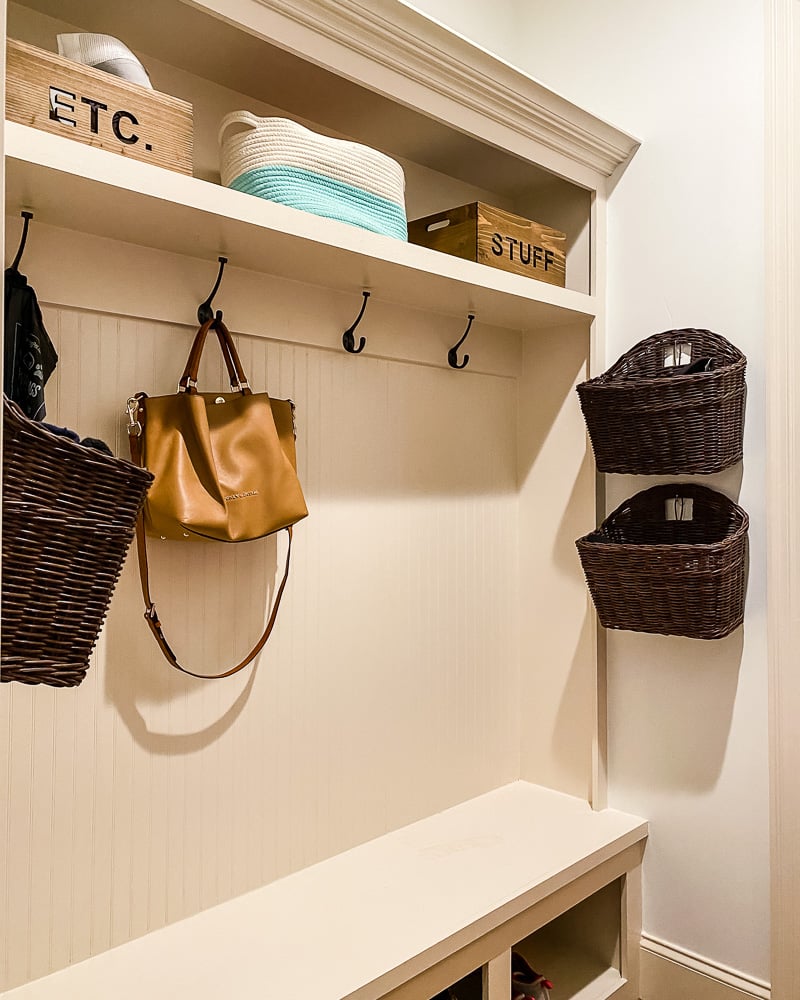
688	687
677	695
577	698
153	698
556	361
370	433
553	451
620	488
571	741
383	430
678	698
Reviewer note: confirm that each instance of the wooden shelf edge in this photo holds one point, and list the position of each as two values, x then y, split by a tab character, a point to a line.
604	987
74	186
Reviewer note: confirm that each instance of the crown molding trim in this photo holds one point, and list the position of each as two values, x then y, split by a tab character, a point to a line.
394	36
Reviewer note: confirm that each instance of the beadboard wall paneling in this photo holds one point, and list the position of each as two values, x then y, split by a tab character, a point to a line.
168	287
387	692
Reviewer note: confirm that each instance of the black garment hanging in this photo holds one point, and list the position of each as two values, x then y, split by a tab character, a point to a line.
28	354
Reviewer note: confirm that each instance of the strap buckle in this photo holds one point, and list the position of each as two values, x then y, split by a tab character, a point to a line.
134	426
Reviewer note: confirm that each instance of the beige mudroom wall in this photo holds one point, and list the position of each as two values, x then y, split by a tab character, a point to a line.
388	690
391	687
687	719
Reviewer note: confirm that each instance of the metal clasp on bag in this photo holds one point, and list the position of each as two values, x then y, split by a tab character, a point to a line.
134	426
190	384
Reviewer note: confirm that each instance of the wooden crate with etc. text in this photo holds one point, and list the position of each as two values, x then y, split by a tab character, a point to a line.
54	94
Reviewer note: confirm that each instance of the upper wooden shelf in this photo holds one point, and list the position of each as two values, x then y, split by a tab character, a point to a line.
380	72
375	918
76	187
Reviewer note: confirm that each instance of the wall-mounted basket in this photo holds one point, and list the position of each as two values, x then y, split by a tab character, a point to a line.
670	560
69	514
646	416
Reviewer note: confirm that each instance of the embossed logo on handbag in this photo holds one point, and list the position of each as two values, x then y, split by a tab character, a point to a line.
241	496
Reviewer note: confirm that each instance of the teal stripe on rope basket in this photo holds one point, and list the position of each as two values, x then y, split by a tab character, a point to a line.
325	196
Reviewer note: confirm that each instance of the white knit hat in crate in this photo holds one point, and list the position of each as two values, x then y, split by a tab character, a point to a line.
105	53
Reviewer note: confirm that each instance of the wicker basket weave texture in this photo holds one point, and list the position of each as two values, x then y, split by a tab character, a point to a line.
673	577
643	419
69	514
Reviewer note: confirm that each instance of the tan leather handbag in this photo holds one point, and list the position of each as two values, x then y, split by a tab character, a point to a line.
224	467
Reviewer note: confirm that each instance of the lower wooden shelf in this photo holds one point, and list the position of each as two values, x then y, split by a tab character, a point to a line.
572	980
580	951
403	915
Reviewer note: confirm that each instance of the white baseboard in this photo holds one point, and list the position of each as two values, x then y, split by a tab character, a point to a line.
670	973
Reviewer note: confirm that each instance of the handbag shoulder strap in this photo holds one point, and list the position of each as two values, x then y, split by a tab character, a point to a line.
151	615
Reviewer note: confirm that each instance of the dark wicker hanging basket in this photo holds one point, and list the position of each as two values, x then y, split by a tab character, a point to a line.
671	560
69	514
645	416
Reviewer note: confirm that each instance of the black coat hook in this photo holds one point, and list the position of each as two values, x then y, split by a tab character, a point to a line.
204	310
348	340
452	354
27	216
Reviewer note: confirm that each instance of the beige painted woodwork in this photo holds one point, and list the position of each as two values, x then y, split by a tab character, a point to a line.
405	914
436	642
81	189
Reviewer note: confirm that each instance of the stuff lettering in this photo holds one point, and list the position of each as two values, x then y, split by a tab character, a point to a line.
64	109
526	253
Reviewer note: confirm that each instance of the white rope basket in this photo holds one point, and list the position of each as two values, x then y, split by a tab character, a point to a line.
281	160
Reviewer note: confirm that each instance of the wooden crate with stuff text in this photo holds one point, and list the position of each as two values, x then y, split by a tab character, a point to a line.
500	239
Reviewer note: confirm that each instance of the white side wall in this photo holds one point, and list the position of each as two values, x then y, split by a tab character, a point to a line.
687	720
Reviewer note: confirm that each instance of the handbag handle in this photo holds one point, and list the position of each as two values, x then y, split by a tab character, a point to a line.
151	615
231	357
238	379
